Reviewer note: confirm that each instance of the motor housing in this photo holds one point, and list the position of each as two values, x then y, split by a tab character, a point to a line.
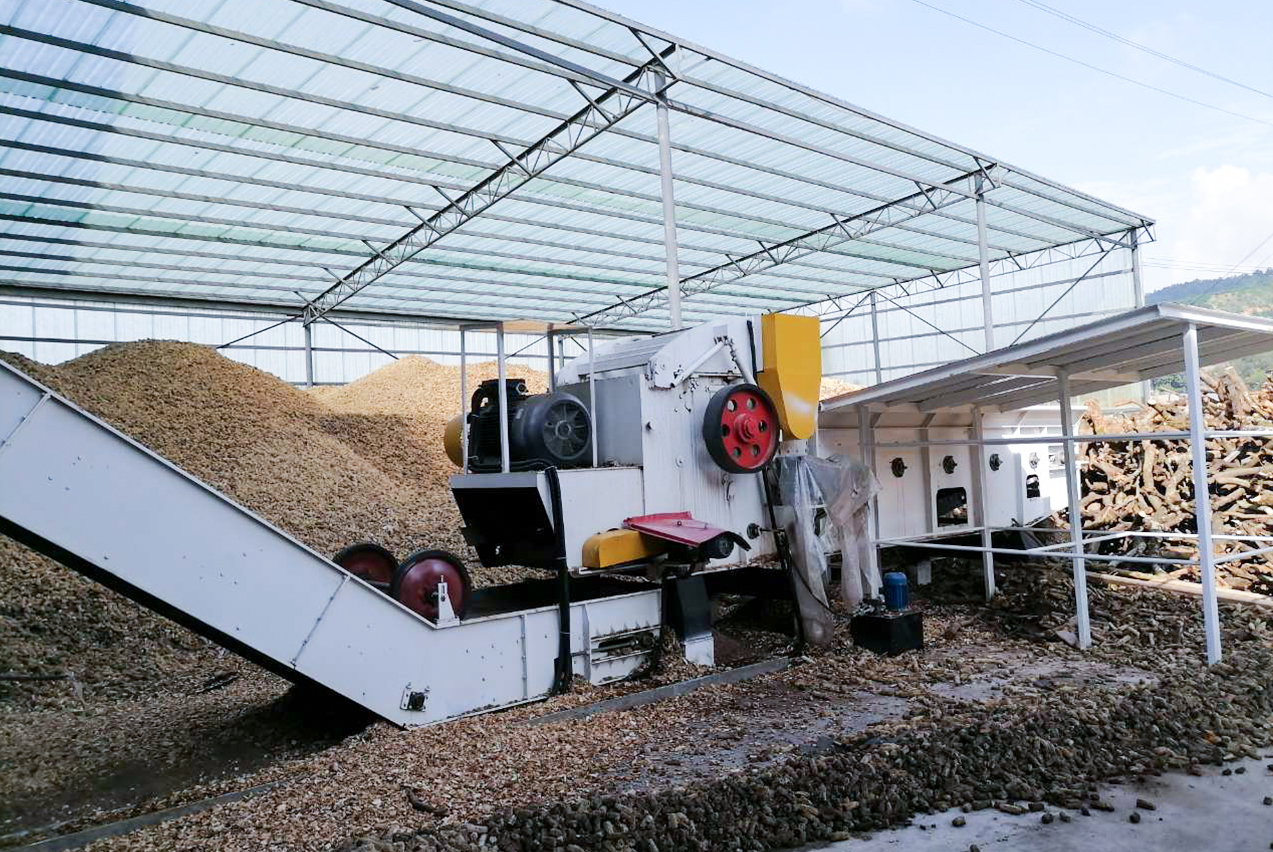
544	430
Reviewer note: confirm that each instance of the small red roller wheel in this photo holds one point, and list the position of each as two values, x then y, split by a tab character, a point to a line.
741	428
415	583
368	561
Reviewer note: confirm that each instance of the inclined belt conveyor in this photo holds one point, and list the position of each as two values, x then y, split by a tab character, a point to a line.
82	493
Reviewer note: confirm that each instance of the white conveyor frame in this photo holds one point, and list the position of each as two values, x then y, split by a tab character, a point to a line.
84	494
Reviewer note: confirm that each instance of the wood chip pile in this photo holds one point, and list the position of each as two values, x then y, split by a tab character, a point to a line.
658	777
1148	485
835	387
334	466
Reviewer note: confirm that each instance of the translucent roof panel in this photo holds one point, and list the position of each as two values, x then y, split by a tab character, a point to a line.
468	161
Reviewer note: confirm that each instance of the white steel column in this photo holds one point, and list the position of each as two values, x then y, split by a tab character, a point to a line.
983	259
926	472
869	550
669	213
309	355
1079	565
504	463
592	397
552	362
1137	285
979	502
875	339
1201	494
464	405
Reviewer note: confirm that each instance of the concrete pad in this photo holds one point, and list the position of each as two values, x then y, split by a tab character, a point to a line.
1213	812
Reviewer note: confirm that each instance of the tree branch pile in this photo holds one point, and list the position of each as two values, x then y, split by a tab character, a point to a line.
1147	485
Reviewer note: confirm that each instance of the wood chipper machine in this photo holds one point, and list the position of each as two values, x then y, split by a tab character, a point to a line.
635	476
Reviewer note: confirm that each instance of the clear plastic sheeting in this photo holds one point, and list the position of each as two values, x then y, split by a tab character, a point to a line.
849	497
803	514
824	509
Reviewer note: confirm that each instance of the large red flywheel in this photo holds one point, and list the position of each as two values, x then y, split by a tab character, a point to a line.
368	561
741	428
415	584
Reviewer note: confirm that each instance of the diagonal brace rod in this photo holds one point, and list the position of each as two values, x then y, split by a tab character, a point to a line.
558	144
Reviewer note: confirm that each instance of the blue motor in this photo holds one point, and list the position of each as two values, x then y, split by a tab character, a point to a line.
897	592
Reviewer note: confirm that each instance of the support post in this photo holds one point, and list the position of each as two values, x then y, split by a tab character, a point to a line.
1078	565
979	501
552	363
592	398
926	473
1137	284
669	211
1138	288
983	259
464	404
309	356
1201	494
869	549
504	462
875	338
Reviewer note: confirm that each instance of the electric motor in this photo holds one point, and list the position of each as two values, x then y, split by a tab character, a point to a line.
544	430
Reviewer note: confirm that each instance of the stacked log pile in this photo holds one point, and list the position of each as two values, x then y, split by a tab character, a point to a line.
1147	485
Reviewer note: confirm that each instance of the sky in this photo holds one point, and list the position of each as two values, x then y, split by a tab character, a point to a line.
1204	174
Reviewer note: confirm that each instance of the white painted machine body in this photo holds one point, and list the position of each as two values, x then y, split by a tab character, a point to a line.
1023	482
651	396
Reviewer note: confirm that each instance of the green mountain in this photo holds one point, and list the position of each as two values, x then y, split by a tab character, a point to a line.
1240	294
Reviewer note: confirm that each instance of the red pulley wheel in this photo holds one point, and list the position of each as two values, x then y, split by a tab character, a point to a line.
741	428
415	584
368	561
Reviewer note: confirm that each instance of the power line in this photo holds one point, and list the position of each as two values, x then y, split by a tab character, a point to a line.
1232	269
1088	65
1043	7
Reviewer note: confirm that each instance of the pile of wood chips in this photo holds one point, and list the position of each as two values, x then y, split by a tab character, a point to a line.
363	462
1147	485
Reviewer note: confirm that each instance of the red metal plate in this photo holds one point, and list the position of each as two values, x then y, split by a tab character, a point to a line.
679	527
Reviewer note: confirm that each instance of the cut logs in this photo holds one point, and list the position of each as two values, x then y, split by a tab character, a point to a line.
1147	485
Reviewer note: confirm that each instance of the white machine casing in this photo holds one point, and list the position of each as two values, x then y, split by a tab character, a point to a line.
1011	481
652	394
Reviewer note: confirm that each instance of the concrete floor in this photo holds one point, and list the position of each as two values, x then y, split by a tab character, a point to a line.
1215	813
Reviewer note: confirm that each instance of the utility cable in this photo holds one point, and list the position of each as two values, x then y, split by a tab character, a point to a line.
1211	289
1088	65
1043	7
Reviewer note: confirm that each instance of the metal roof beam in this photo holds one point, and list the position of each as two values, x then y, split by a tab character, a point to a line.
1011	263
414	309
224	307
551	300
232	202
917	204
170	67
503	20
838	103
190	110
292	275
430	181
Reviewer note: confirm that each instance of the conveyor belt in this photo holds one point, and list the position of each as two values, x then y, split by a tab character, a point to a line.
82	493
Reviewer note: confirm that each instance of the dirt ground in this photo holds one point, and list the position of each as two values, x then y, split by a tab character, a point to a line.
343	776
